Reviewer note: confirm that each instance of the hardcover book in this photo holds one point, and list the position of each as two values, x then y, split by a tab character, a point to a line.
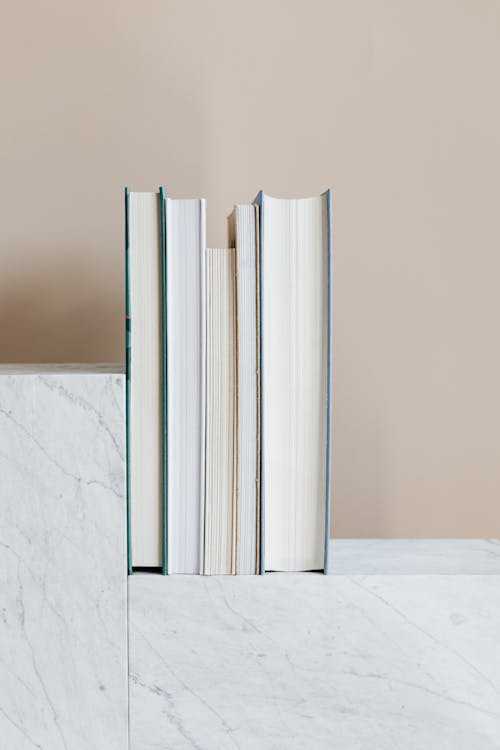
185	373
221	466
145	379
244	236
296	386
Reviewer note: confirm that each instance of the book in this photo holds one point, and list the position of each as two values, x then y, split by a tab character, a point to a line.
185	392
221	450
243	236
145	379
296	386
229	386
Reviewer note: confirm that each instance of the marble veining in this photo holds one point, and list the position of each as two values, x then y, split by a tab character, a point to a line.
307	662
63	630
398	648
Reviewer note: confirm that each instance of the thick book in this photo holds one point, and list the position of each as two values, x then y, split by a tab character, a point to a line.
221	447
145	383
185	391
296	381
244	236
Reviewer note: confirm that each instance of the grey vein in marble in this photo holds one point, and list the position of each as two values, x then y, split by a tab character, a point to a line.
63	632
307	662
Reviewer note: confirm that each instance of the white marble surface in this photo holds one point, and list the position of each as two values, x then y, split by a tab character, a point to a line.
306	662
414	556
64	368
63	632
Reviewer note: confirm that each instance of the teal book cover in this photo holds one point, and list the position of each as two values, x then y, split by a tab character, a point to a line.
163	230
329	377
128	350
127	375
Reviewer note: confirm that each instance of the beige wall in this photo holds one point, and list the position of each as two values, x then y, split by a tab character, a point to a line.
394	104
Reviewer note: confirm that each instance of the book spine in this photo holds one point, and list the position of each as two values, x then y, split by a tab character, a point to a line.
163	231
236	416
258	388
203	381
329	375
233	243
128	343
259	203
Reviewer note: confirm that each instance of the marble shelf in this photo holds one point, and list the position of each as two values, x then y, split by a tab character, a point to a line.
63	628
397	648
414	556
313	662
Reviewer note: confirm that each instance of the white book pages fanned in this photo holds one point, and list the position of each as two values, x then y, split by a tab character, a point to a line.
221	544
243	234
145	401
185	251
295	325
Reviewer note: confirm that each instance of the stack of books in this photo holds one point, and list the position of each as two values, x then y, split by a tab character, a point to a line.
229	386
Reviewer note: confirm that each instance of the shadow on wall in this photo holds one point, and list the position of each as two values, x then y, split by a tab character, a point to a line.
359	460
60	313
87	128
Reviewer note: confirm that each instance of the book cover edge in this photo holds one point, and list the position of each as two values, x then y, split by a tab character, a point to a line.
128	343
163	230
259	203
329	376
203	326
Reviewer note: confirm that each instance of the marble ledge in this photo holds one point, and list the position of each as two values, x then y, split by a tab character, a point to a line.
63	627
414	557
294	661
83	368
398	648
